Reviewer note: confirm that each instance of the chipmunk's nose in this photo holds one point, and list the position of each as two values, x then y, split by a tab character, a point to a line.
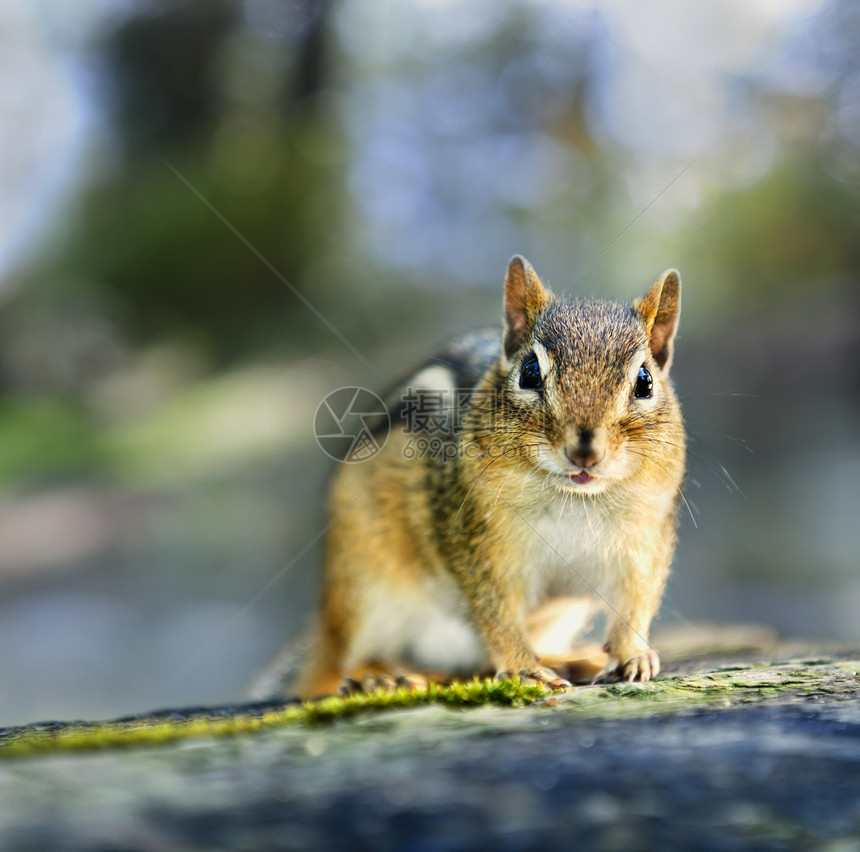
585	453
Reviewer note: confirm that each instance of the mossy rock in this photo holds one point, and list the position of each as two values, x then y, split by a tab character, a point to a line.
743	754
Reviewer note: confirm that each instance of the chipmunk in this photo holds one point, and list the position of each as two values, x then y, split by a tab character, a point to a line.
553	492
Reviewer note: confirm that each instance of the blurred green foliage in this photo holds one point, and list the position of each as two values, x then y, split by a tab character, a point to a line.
794	229
46	437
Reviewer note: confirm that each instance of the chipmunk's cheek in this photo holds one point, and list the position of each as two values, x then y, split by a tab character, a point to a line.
624	464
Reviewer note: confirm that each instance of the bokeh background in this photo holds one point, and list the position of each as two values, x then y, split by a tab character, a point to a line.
187	187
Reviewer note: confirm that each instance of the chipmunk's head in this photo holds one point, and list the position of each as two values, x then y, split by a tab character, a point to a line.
586	389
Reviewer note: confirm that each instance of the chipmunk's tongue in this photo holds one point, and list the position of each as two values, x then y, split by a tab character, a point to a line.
581	478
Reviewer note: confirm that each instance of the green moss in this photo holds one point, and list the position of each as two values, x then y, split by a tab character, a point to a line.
159	730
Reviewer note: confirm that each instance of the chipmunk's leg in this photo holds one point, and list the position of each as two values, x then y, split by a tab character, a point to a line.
354	553
415	634
633	601
329	670
322	673
371	632
335	633
496	613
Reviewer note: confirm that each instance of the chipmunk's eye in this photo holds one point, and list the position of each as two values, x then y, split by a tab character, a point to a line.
644	385
530	376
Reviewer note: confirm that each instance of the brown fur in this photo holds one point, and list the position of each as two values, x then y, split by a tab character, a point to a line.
489	542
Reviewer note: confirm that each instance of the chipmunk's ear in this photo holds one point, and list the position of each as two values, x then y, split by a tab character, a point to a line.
525	298
659	310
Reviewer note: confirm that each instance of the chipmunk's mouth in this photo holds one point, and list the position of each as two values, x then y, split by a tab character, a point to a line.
582	483
582	478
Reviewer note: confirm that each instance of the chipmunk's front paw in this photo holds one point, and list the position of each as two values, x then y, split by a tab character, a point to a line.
640	667
538	676
369	683
380	683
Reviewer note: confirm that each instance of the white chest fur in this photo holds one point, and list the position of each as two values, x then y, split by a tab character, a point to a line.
577	546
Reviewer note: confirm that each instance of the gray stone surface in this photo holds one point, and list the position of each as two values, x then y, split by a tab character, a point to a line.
750	757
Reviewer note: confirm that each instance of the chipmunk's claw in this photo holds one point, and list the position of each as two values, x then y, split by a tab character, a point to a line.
639	668
412	681
540	676
350	686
